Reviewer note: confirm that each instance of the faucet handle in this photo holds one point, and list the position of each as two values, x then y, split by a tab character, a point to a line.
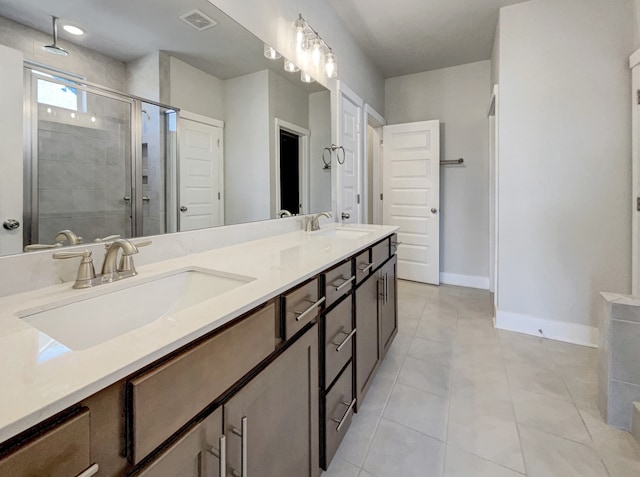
86	271
126	261
108	238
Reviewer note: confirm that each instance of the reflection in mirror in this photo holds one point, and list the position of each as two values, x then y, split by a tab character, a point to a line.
138	133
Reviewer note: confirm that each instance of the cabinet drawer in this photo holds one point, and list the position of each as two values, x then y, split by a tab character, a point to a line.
338	282
338	340
300	307
364	265
380	253
165	398
62	451
339	405
193	454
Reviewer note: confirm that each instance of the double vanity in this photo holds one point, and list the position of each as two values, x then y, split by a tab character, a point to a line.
246	361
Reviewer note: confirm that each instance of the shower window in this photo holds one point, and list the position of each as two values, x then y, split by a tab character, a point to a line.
59	94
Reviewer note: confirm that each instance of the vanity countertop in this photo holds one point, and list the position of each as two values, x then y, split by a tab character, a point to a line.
39	380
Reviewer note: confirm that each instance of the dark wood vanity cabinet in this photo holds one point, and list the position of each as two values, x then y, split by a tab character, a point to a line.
367	339
271	424
388	304
271	394
60	450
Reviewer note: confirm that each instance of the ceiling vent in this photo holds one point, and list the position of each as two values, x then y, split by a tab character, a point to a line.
198	20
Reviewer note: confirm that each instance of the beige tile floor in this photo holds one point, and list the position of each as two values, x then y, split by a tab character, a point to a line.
457	398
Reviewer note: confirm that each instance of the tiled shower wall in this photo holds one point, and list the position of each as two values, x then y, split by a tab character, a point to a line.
82	178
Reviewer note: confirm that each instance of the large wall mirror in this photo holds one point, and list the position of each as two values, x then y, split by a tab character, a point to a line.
163	116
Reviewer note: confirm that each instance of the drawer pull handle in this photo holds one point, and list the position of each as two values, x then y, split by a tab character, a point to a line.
345	415
345	283
395	243
302	314
93	470
365	267
344	342
221	454
244	464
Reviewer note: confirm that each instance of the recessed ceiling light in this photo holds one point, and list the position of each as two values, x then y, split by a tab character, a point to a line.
74	30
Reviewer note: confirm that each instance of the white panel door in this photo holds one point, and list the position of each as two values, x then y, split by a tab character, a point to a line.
411	196
201	195
350	118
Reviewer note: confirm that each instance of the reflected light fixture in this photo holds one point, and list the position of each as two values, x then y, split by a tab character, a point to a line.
316	52
306	77
74	30
270	53
290	66
307	38
301	34
330	65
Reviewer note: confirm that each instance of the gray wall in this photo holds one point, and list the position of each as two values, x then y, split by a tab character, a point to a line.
565	158
459	98
95	67
195	91
320	126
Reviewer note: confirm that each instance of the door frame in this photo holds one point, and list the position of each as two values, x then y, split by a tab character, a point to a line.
494	168
634	65
376	121
346	93
198	118
303	158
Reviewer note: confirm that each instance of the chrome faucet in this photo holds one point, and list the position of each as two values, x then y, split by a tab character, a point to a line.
284	213
312	224
69	236
126	268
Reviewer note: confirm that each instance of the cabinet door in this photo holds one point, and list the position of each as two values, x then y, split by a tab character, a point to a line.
196	454
271	424
367	342
388	305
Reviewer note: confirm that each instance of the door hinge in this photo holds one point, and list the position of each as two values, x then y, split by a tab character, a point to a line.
358	198
381	196
639	96
638	204
218	195
218	143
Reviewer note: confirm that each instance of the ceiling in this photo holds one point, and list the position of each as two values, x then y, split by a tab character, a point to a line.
128	29
411	36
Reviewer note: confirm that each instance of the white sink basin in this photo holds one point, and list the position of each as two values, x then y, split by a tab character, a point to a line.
343	232
109	313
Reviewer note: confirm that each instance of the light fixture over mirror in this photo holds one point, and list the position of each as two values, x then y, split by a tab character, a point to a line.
290	66
309	41
271	53
306	77
102	125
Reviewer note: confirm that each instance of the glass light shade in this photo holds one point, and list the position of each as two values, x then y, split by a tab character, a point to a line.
301	37
331	65
316	52
290	66
271	53
306	77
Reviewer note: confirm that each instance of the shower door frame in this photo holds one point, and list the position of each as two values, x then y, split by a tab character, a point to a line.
30	207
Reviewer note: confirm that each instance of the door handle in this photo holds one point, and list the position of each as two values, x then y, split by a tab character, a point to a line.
244	463
221	455
434	211
183	209
92	470
11	224
346	216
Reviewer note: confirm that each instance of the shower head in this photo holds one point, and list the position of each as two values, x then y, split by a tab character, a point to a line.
54	48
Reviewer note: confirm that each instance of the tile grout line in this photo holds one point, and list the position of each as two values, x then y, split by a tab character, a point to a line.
513	409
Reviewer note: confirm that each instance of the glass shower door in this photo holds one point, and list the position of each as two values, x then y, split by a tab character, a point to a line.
81	161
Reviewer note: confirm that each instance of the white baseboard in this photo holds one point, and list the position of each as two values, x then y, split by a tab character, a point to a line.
470	281
555	330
